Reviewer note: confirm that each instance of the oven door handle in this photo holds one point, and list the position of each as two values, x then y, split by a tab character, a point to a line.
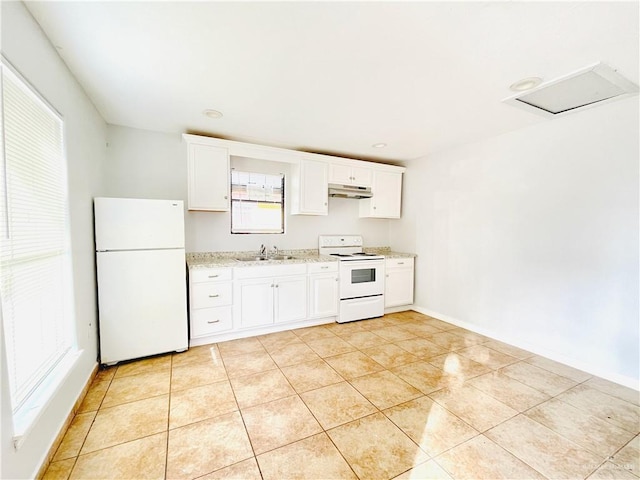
365	300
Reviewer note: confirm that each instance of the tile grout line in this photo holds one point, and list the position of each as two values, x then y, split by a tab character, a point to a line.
244	424
166	450
77	456
492	370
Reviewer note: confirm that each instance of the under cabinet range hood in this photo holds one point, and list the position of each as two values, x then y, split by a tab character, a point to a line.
349	191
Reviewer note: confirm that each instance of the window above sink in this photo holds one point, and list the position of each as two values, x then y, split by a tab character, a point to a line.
257	203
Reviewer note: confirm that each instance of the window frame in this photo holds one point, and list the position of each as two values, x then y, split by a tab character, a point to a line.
282	204
27	408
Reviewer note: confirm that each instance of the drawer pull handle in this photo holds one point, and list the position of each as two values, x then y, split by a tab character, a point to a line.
213	321
400	263
214	276
324	268
214	296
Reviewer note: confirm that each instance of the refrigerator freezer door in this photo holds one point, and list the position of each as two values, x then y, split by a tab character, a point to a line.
138	224
143	303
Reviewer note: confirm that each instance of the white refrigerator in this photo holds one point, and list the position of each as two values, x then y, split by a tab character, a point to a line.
141	275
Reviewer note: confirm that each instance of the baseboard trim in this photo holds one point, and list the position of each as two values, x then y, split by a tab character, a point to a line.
533	348
401	308
63	429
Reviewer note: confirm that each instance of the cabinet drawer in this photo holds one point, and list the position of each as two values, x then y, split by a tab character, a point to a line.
399	262
210	274
205	295
208	321
271	271
323	267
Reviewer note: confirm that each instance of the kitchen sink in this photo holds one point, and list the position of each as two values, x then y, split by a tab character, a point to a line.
259	258
281	257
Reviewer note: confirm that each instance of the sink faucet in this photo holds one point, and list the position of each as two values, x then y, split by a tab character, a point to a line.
263	250
274	251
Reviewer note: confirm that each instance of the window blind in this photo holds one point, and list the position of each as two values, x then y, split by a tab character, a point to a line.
35	260
257	203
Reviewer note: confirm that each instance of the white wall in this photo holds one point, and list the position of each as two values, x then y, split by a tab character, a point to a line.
147	164
29	51
532	237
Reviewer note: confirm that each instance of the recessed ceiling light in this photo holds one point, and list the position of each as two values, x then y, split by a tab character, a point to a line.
212	113
526	84
379	145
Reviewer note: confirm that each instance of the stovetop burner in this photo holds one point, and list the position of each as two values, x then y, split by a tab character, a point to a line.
345	247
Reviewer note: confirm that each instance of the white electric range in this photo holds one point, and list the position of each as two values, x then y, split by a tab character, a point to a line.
361	277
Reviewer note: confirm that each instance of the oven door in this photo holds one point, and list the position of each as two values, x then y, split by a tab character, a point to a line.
361	278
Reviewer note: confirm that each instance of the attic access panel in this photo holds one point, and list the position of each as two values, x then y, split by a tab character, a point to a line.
590	86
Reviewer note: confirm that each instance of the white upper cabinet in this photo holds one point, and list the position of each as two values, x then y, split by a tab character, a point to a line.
350	175
309	178
387	196
208	177
309	188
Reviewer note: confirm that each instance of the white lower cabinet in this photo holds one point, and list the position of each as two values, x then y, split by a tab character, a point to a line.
270	298
398	286
254	302
323	290
236	302
290	299
210	301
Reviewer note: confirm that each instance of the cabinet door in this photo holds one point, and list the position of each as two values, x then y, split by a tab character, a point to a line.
290	298
387	196
254	302
323	295
208	178
362	177
398	287
340	174
313	190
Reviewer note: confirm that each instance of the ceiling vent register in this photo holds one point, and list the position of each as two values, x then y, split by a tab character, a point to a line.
594	85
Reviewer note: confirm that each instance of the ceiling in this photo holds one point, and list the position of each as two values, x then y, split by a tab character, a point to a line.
332	77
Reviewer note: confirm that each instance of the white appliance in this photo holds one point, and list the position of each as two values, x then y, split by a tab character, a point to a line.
361	277
140	260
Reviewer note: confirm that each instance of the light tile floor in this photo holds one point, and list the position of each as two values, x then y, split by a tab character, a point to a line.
403	396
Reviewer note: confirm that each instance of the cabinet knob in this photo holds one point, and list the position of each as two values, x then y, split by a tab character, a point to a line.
213	321
374	208
226	197
277	286
272	285
325	204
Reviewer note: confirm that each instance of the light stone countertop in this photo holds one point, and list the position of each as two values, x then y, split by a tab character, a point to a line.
386	251
229	259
